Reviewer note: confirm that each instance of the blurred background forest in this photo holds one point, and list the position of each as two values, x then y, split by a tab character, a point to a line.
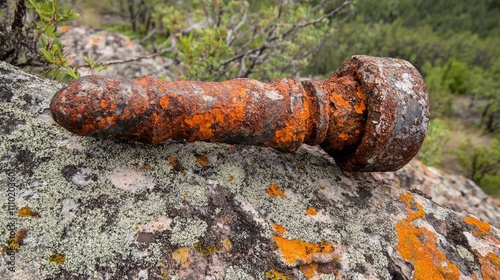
454	44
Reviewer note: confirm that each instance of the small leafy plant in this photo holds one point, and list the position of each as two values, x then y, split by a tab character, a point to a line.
50	16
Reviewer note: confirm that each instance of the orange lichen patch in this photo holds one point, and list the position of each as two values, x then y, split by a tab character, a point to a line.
227	244
483	227
418	246
94	41
205	250
311	211
172	160
397	180
181	255
339	101
275	275
202	160
279	229
14	242
273	191
57	258
185	194
490	266
412	215
360	109
27	212
297	251
64	28
130	43
310	270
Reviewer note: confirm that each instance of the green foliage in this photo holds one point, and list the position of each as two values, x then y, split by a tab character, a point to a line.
454	76
33	41
222	39
490	185
432	149
50	15
480	161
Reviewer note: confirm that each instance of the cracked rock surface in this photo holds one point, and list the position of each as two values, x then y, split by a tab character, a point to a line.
85	208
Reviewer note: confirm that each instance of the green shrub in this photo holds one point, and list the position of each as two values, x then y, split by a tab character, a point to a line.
432	149
482	163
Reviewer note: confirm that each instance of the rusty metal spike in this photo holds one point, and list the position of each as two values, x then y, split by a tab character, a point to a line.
371	115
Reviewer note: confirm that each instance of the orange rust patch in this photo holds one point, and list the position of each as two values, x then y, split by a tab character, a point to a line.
294	129
94	41
273	191
27	212
490	266
202	160
298	252
344	136
483	227
164	102
301	166
130	43
339	101
418	246
311	211
360	109
231	178
143	81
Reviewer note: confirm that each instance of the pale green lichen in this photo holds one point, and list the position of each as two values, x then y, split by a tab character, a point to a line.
327	277
466	254
186	232
91	239
237	273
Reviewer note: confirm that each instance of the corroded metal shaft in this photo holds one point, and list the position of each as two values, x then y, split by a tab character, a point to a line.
371	115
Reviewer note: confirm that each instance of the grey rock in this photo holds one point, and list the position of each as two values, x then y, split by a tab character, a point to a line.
104	47
84	208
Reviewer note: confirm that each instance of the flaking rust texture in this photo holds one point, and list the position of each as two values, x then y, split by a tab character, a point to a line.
89	208
371	115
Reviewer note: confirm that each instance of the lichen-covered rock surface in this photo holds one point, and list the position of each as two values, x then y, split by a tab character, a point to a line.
84	208
449	190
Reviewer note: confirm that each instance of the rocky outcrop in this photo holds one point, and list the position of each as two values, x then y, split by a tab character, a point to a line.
448	190
104	47
84	208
